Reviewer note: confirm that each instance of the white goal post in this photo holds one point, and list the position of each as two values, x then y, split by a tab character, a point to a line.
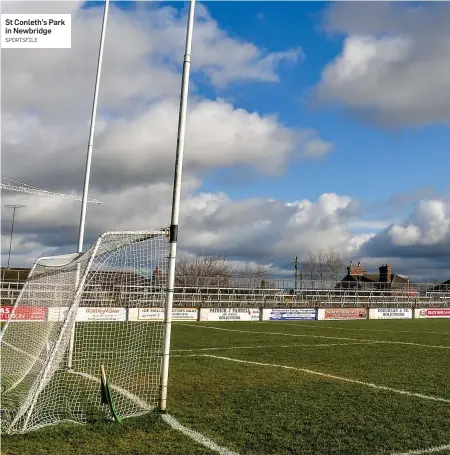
87	295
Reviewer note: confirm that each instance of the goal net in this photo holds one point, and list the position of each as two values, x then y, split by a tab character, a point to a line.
76	316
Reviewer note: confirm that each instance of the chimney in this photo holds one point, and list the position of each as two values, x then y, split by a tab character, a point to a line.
385	273
355	270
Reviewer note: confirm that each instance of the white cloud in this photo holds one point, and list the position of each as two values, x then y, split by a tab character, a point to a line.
46	108
47	104
394	64
429	225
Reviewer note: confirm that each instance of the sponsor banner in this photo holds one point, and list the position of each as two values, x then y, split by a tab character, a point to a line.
157	314
231	314
290	314
5	311
432	313
86	314
331	314
23	313
390	313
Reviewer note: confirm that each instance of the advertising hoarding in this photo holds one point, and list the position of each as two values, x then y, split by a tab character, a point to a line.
229	314
432	313
87	314
24	313
390	313
157	314
331	314
289	314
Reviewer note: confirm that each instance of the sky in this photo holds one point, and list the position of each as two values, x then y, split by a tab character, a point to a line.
311	126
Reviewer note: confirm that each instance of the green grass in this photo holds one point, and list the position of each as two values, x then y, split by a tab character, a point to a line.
264	410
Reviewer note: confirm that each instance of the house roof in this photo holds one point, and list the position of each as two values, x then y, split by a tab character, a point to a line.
443	286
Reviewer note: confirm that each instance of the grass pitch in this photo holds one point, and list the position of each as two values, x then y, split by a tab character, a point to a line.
319	387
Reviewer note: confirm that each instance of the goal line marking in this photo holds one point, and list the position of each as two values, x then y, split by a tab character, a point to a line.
170	420
319	326
425	451
196	436
131	396
332	376
316	336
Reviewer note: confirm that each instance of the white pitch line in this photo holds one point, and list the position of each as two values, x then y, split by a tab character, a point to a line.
318	336
331	376
268	346
425	451
319	326
131	396
196	436
32	357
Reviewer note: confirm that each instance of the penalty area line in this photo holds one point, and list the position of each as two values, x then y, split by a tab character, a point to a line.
425	451
332	376
196	436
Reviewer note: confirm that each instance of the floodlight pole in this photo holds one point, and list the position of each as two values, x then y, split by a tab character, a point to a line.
176	208
87	172
14	207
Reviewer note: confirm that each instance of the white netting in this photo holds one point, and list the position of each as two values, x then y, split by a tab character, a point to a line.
102	293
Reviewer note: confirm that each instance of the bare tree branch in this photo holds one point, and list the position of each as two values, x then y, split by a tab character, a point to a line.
207	270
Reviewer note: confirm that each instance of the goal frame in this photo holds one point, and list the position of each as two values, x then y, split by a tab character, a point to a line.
34	393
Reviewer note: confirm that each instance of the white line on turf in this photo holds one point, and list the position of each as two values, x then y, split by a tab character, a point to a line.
197	437
425	451
317	336
320	326
32	357
131	396
266	346
170	420
332	376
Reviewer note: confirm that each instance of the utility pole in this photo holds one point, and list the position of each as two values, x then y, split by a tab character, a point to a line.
14	207
296	272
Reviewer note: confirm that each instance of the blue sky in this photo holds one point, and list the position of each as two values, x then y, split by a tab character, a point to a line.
367	162
371	80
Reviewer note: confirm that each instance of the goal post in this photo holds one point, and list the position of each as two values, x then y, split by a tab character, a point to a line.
115	275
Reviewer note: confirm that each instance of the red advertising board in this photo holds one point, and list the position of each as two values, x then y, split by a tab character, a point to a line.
23	313
435	312
345	313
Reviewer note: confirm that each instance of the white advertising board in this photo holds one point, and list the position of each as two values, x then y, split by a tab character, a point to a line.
229	314
390	313
433	313
289	314
87	314
157	314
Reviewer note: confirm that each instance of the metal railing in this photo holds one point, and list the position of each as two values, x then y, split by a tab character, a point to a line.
208	296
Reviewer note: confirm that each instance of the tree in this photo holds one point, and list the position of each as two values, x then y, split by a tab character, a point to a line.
209	270
335	265
251	276
323	265
309	266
